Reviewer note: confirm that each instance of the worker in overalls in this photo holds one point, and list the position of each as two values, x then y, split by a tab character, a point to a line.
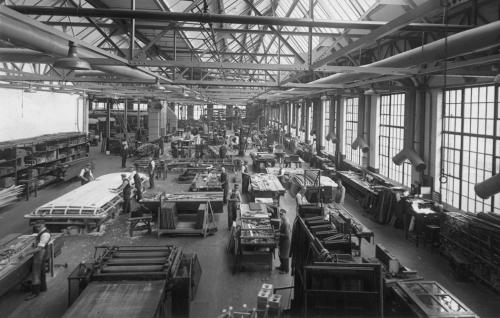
151	172
233	205
41	254
86	174
125	187
245	173
340	193
224	182
137	182
284	243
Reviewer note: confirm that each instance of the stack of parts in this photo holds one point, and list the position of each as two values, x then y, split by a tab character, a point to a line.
274	303
263	298
10	195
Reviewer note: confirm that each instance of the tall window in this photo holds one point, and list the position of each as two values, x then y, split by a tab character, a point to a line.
197	112
330	120
352	130
391	139
471	146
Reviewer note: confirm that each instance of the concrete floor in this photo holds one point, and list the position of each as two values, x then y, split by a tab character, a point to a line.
218	288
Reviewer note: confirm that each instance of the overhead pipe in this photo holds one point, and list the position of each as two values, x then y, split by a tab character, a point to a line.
28	36
412	156
470	41
145	15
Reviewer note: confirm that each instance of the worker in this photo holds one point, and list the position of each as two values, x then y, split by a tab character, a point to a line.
87	147
124	152
301	197
125	187
151	172
41	254
245	173
284	243
281	175
224	182
233	206
86	174
340	195
137	182
160	145
223	151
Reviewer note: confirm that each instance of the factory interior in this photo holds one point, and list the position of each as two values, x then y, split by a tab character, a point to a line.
249	158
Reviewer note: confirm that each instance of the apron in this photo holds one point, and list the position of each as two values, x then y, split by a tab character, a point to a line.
284	243
245	179
232	207
38	270
138	186
86	175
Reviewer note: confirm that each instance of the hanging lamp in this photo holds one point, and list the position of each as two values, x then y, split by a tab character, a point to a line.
72	61
157	85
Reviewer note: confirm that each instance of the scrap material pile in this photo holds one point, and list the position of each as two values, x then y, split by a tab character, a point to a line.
9	254
206	182
189	197
146	150
200	164
257	231
10	195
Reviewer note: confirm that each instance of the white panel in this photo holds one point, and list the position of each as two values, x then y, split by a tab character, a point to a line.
24	115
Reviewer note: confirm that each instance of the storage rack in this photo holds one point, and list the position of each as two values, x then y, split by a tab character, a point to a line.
19	158
477	245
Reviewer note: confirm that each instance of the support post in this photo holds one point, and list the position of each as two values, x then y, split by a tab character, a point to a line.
132	32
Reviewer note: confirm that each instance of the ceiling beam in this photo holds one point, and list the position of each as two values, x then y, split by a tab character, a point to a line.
221	18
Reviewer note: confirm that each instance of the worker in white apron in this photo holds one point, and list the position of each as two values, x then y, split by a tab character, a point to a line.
40	253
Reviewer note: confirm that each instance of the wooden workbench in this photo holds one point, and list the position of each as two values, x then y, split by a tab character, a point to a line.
254	238
356	228
265	186
263	159
188	202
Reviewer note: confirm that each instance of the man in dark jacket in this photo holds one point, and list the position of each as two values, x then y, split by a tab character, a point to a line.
284	243
245	173
224	182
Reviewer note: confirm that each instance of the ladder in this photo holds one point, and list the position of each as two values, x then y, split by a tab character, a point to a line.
122	121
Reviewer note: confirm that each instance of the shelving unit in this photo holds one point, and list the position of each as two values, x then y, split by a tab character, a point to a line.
477	245
39	157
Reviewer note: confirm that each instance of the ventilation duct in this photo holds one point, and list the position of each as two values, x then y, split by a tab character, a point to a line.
412	156
488	187
332	137
360	142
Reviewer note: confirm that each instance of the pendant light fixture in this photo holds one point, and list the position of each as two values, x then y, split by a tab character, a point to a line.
157	86
497	79
72	61
371	91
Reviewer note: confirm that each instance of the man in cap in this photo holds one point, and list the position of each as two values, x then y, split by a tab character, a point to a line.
245	173
137	182
125	187
284	243
40	253
86	174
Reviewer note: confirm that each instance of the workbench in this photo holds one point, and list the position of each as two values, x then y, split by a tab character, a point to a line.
351	223
214	151
188	202
12	270
286	171
262	160
254	238
427	299
422	217
89	205
127	281
266	186
203	164
202	182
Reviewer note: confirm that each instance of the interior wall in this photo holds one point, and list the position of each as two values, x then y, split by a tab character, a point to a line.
25	115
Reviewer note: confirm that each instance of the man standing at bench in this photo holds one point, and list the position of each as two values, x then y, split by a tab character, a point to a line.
41	254
86	174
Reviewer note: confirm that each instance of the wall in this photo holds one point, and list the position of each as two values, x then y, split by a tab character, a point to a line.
25	115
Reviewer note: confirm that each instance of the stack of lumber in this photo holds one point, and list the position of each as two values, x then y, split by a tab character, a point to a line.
9	195
71	169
